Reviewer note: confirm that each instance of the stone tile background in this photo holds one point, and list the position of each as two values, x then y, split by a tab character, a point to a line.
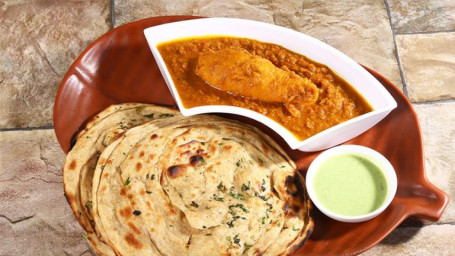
410	42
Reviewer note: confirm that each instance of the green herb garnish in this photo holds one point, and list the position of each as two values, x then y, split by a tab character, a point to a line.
267	212
221	187
219	199
238	195
245	187
237	239
127	182
165	115
239	206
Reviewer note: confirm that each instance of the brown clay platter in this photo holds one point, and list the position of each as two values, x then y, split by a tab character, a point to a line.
119	67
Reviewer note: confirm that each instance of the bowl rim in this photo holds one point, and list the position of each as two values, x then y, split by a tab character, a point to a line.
378	159
185	28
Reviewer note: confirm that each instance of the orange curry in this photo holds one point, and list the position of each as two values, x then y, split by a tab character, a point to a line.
302	95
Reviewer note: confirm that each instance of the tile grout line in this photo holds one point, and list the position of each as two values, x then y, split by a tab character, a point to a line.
112	6
26	129
426	32
400	68
433	101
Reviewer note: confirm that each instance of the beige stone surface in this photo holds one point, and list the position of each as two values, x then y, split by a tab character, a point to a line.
35	218
417	241
437	122
428	64
44	38
422	15
359	29
41	38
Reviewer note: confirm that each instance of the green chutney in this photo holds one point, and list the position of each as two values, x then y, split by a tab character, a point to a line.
350	185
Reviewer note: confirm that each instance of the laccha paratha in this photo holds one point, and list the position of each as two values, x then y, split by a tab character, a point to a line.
81	161
199	186
143	180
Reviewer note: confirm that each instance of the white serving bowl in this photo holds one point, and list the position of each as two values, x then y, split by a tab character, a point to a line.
383	164
379	98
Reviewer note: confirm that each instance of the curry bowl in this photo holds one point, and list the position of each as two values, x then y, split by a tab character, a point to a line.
362	81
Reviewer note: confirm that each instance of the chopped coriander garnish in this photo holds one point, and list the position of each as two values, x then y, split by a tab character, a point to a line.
202	160
263	220
238	163
148	192
261	196
245	187
263	182
165	115
221	187
247	246
234	195
149	115
220	144
153	176
295	229
203	143
208	234
85	235
147	176
88	137
267	212
239	206
219	199
127	182
194	204
237	239
133	120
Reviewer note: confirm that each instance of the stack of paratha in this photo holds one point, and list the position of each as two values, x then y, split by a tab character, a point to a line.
143	180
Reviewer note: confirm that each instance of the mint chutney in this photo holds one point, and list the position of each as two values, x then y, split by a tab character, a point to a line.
350	184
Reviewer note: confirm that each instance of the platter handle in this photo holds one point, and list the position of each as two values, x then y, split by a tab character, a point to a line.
429	202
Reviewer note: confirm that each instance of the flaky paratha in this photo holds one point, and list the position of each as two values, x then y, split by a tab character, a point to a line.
81	161
201	185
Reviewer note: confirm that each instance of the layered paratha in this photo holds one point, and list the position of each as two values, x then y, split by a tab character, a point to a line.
81	161
169	185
